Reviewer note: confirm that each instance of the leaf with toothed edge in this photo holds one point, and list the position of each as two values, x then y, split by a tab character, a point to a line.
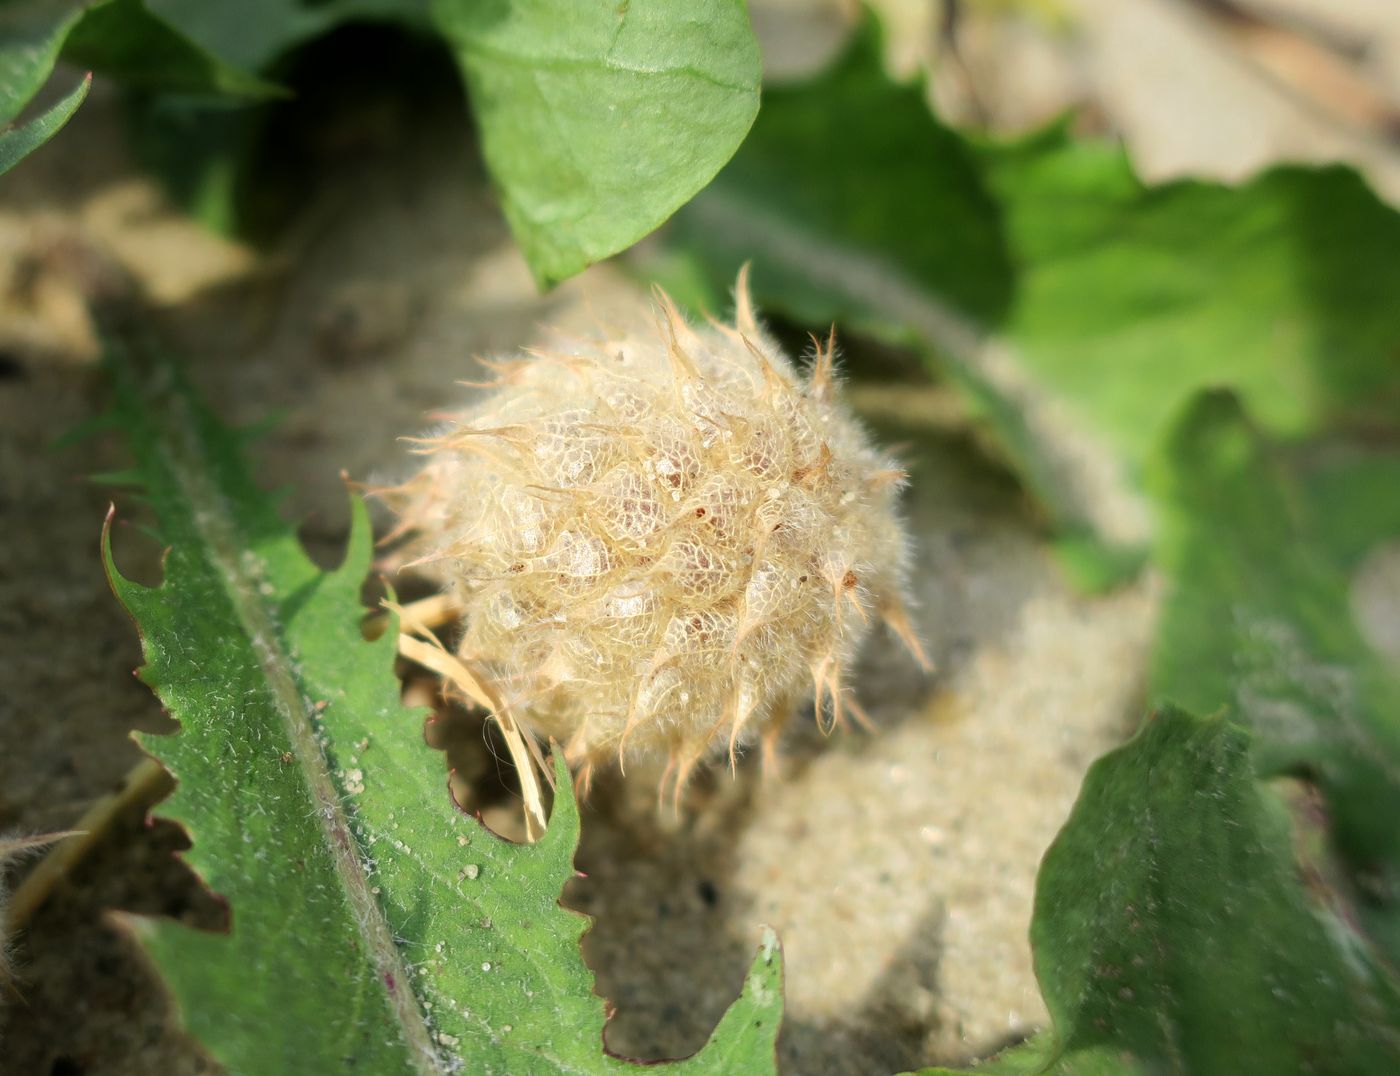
373	927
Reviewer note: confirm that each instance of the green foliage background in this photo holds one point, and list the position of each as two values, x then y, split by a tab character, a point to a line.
1043	276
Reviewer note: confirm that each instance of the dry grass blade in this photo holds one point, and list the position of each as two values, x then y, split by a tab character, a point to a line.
418	618
524	751
12	848
146	781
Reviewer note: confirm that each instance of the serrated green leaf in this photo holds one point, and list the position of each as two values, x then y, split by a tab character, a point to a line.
1077	307
1171	933
1258	620
599	118
19	142
373	926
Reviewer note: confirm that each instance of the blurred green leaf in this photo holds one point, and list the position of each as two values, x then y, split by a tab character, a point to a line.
18	142
255	33
1079	308
1353	493
32	33
126	40
1172	934
1258	621
600	118
374	927
120	38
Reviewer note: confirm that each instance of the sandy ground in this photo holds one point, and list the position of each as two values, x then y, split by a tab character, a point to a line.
898	866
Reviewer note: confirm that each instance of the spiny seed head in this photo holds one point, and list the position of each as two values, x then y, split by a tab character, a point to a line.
663	541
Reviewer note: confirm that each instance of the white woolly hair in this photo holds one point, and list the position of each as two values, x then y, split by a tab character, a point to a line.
662	542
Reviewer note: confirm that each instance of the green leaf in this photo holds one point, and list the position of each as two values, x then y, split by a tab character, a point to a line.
1171	933
373	926
600	118
1258	620
32	33
125	40
19	142
1352	495
244	171
254	33
121	38
1079	308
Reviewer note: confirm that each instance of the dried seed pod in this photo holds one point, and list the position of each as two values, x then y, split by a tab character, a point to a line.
662	542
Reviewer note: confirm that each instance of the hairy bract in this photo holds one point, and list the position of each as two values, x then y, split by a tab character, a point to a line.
662	542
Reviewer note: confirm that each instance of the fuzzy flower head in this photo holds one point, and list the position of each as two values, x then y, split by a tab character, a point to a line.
662	542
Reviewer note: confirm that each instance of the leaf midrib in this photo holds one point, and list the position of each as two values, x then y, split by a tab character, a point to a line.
185	460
